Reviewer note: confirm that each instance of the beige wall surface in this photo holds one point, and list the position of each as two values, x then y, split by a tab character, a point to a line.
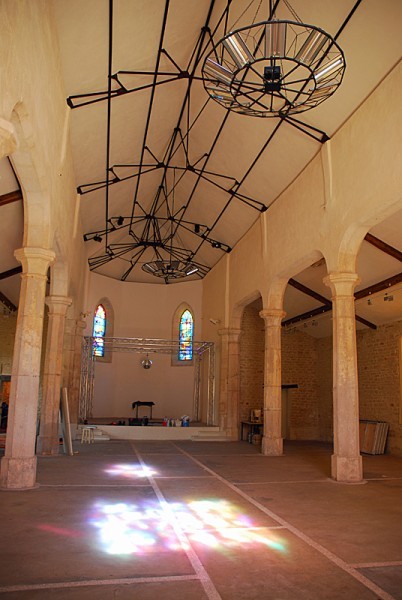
143	311
33	103
353	183
317	215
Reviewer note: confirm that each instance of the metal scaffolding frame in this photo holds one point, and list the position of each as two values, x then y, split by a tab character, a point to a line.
147	346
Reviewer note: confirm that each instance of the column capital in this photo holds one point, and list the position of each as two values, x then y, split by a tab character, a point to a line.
271	315
342	284
35	261
229	331
58	304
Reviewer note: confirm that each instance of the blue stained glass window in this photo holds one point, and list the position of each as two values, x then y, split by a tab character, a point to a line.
186	329
99	331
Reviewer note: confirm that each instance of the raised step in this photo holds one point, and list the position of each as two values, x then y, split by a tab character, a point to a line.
161	433
209	436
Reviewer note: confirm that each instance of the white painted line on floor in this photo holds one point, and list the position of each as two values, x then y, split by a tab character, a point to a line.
279	481
183	477
94	485
202	575
94	582
310	542
384	478
391	563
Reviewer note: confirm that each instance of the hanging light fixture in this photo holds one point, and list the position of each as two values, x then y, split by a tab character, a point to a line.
170	269
146	363
274	68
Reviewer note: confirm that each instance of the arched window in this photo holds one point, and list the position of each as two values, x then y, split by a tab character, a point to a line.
99	331
186	329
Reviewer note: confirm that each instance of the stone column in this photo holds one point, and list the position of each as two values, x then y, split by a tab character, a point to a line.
272	442
346	460
18	466
48	440
230	382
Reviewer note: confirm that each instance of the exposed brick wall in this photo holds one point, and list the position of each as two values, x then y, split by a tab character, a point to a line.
324	373
252	342
379	379
300	366
7	335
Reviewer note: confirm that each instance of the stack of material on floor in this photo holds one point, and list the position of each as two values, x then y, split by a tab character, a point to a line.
373	436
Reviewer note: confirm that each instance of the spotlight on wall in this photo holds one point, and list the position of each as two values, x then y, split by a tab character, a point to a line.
388	298
314	323
369	302
120	220
97	238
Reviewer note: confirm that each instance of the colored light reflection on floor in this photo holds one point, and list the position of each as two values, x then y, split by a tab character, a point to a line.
148	527
130	471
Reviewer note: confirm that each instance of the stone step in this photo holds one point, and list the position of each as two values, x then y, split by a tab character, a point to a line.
209	436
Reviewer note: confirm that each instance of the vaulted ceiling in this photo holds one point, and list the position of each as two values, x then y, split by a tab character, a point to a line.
165	173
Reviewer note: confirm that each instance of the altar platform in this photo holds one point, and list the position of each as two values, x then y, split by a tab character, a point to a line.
155	430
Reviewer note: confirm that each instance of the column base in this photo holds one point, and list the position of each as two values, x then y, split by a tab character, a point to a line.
272	446
347	469
18	473
47	446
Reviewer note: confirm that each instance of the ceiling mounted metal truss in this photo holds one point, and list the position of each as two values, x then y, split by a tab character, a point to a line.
159	234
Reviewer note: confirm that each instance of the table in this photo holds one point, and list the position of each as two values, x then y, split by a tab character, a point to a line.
137	404
252	428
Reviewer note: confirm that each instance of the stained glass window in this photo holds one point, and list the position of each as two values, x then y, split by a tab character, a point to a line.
186	336
99	331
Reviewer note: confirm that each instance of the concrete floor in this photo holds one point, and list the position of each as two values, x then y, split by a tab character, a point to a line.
186	520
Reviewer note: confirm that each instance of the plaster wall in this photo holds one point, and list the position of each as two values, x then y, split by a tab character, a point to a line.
321	215
33	101
143	311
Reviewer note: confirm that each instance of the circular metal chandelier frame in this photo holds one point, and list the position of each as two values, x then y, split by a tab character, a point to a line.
273	68
170	269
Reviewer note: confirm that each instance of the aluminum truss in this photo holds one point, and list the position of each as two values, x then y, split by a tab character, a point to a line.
148	346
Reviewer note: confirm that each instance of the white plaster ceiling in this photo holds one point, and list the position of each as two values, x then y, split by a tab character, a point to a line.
148	117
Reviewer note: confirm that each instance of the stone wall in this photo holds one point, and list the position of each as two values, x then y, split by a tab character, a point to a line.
324	374
379	365
251	362
307	362
8	324
300	366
